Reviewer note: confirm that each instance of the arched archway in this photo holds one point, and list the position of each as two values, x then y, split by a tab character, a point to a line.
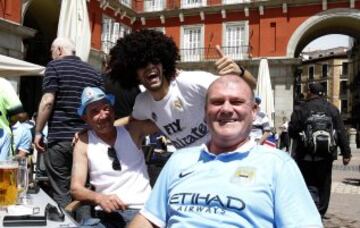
43	16
340	21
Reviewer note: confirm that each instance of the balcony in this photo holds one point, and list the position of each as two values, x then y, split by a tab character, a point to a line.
210	54
171	8
185	4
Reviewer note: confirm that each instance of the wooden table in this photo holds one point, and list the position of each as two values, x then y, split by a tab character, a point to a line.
41	199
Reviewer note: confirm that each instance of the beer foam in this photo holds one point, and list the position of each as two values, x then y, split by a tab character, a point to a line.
9	166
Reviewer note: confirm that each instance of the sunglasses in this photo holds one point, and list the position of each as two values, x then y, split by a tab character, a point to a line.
112	154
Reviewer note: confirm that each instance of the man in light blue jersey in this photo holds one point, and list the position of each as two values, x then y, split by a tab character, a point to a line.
230	181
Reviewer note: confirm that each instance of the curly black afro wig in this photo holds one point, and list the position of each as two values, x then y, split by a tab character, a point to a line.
139	48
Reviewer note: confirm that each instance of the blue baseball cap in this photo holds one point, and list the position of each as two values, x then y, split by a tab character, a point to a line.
92	94
258	100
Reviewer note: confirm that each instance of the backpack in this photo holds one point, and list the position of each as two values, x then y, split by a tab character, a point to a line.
319	135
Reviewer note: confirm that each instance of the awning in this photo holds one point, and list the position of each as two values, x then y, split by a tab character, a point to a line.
10	67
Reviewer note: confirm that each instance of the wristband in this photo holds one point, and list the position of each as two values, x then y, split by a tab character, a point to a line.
242	71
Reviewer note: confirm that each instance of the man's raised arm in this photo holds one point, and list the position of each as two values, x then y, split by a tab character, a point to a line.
226	65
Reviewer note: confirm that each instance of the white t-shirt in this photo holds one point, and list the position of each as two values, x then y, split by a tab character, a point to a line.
180	114
131	184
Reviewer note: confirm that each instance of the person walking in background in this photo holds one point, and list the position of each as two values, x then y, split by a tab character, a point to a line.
319	129
284	135
64	80
174	100
261	129
230	181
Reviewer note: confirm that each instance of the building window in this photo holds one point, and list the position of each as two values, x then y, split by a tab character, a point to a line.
234	1
191	46
344	106
111	32
126	2
324	85
325	70
345	68
343	88
235	42
192	3
311	72
153	5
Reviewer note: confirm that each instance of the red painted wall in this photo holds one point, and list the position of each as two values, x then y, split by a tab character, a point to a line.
11	10
95	17
95	23
269	34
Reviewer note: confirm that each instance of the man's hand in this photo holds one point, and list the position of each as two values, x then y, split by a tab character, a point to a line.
38	142
110	203
77	136
226	65
346	161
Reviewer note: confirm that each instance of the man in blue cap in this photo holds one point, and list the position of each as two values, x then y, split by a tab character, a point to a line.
112	158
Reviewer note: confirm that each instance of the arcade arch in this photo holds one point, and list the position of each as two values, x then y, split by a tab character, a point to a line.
43	16
339	21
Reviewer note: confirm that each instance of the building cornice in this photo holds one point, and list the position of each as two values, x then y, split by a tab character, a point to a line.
174	11
17	29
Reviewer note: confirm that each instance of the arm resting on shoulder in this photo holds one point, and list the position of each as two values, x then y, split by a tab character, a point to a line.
122	121
138	129
140	221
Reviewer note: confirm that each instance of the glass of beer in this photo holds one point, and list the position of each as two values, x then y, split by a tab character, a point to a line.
8	185
22	181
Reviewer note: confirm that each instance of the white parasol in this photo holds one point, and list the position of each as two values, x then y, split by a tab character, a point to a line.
74	25
264	90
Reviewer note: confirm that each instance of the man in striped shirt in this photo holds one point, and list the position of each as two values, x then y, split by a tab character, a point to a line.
65	78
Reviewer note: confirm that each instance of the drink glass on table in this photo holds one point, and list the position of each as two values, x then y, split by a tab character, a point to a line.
22	181
8	182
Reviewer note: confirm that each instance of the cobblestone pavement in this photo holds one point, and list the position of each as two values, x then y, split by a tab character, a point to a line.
344	208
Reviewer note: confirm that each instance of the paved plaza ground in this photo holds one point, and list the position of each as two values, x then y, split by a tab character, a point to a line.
344	210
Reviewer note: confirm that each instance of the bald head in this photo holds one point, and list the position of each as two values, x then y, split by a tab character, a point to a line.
62	47
226	81
229	112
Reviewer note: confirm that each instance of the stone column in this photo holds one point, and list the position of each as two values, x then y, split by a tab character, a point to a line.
352	138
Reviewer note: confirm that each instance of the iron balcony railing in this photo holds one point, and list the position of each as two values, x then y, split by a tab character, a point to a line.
199	54
210	53
158	5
